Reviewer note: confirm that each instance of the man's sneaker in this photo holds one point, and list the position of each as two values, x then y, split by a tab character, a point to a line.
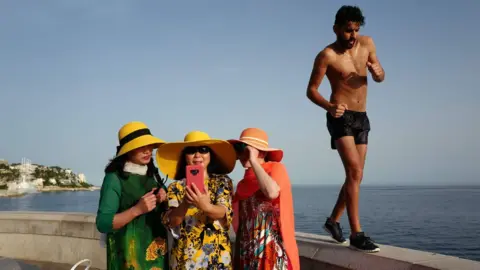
362	242
333	228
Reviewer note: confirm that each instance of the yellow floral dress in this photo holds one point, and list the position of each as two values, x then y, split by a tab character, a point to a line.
199	242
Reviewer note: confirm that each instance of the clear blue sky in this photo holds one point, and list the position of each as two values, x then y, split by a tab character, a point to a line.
73	72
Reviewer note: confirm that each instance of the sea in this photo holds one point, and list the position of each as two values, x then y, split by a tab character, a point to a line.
441	219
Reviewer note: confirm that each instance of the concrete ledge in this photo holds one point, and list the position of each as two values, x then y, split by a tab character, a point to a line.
11	264
66	238
78	225
324	252
62	238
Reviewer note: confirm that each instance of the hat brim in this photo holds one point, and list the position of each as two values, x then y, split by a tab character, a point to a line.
168	155
139	142
273	154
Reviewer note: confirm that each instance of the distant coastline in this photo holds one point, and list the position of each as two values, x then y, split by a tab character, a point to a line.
19	179
56	188
7	193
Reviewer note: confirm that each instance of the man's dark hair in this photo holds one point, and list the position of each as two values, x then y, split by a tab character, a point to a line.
349	14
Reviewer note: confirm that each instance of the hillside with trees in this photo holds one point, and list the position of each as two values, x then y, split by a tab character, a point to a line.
40	176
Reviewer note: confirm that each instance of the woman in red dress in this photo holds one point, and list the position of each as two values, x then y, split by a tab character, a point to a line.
263	206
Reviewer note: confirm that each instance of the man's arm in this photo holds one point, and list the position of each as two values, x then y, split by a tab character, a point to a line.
373	59
319	70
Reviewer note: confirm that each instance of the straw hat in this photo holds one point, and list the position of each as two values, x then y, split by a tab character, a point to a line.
258	139
168	154
134	135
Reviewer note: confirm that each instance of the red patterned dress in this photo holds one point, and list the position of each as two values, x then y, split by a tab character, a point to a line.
259	242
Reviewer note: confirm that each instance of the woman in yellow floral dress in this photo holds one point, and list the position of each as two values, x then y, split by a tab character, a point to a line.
199	222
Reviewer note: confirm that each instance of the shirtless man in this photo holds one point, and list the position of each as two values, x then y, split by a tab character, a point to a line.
345	62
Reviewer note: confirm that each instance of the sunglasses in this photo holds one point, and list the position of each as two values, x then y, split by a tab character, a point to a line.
194	149
239	147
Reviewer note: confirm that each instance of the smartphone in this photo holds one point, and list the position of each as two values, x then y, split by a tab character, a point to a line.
194	174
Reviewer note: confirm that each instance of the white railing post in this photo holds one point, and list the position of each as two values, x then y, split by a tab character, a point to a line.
81	262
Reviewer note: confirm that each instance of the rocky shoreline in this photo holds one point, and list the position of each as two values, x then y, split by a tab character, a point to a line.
10	193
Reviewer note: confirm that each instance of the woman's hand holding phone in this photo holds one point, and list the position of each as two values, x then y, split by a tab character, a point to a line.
194	196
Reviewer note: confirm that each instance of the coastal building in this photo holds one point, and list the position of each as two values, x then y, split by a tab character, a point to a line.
82	178
38	183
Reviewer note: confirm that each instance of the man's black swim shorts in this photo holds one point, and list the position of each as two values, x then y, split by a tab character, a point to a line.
351	123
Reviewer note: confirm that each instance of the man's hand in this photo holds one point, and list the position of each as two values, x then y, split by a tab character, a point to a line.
337	110
375	69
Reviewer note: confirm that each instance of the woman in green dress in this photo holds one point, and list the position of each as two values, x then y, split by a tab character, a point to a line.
132	199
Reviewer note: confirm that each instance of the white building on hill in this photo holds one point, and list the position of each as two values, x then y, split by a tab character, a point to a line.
82	178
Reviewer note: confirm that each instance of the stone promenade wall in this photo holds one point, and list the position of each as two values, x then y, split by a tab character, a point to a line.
67	238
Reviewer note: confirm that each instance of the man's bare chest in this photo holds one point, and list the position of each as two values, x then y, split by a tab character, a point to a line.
348	63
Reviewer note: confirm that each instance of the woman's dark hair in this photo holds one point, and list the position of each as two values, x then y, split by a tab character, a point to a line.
213	166
116	166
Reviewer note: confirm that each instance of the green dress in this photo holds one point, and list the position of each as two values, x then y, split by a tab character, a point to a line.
142	243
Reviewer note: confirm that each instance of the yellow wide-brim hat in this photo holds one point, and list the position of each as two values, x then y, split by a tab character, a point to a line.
169	154
134	135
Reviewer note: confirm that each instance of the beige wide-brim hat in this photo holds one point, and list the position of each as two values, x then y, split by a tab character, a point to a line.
168	154
135	135
258	139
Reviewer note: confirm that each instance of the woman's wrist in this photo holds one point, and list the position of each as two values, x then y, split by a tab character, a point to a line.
135	211
208	208
253	160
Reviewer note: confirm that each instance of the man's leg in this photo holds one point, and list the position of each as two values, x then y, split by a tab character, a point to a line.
332	225
353	160
341	201
354	173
